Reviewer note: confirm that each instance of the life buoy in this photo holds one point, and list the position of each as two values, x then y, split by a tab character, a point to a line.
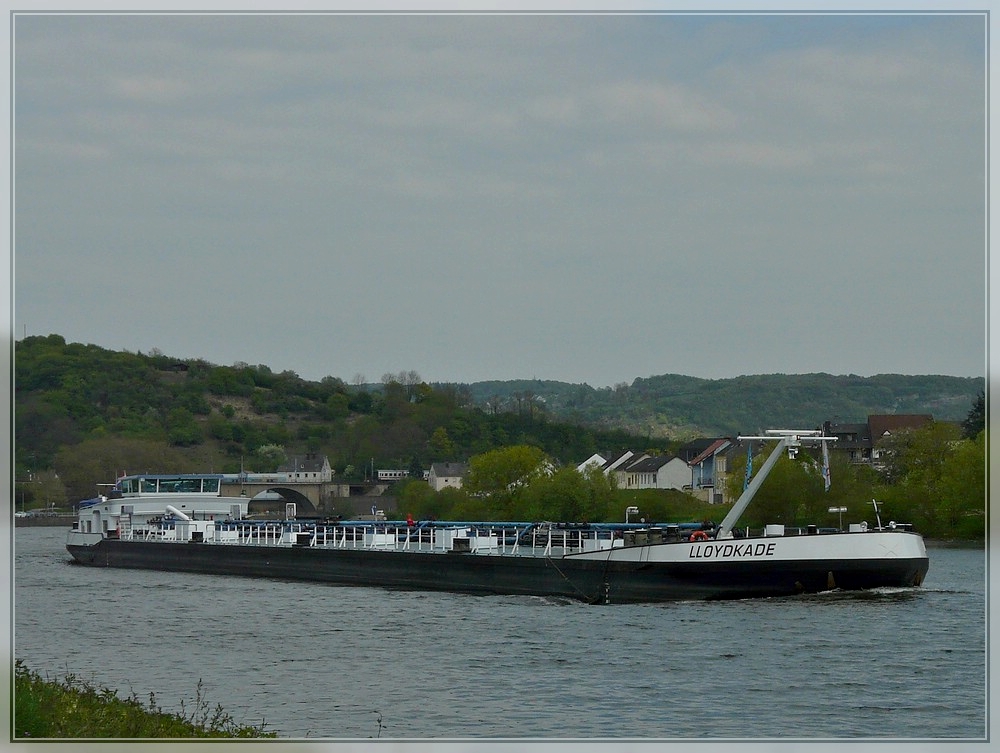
698	536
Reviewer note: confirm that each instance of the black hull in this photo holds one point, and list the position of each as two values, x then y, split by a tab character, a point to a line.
588	580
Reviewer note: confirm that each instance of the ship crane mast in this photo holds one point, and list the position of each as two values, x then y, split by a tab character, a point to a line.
788	439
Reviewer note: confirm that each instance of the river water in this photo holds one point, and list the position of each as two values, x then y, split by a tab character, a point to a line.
323	661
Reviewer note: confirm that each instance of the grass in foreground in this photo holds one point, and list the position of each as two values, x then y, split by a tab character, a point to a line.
72	708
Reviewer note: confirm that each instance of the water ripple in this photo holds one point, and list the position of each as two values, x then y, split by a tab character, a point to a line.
322	661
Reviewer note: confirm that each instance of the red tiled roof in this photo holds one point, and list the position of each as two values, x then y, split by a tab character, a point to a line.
887	424
710	450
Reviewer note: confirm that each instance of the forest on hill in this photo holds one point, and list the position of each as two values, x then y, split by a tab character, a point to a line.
84	414
678	406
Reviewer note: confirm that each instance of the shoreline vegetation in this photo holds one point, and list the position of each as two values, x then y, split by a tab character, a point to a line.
47	709
86	414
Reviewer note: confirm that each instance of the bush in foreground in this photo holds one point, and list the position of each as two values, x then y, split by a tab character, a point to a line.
46	709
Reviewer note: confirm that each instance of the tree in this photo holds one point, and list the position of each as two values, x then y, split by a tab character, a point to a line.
567	495
337	406
271	456
792	492
962	498
396	403
500	475
415	498
494	404
785	495
100	461
938	481
51	491
852	485
219	427
975	422
182	429
441	444
418	499
917	454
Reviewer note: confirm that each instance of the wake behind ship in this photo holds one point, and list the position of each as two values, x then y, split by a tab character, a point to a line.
181	523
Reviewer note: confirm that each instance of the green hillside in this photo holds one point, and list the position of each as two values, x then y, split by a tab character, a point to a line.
678	406
83	414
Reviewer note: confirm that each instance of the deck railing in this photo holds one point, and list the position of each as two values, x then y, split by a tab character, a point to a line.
537	540
484	539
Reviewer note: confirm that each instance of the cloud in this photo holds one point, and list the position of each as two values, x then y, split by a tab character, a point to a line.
478	193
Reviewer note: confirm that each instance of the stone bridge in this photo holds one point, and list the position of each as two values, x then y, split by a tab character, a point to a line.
310	497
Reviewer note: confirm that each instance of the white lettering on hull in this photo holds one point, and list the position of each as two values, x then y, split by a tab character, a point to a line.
730	550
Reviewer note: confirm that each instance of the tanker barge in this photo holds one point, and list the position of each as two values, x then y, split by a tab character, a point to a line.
183	524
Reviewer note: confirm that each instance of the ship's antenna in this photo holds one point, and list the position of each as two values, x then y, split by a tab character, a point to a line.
877	518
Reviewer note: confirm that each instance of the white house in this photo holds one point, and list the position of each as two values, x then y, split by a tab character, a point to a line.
310	467
654	472
444	475
619	461
594	461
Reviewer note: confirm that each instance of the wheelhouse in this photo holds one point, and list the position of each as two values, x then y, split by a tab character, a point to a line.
182	483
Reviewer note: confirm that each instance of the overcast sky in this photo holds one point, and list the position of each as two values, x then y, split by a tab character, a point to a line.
572	197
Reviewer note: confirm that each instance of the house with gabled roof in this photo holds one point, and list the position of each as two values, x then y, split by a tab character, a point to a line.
654	472
853	440
859	441
708	469
594	461
618	460
885	425
447	475
309	467
690	450
703	474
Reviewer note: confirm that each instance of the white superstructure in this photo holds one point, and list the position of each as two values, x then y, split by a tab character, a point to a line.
143	501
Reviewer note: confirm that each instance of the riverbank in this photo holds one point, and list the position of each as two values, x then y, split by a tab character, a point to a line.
64	519
71	708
